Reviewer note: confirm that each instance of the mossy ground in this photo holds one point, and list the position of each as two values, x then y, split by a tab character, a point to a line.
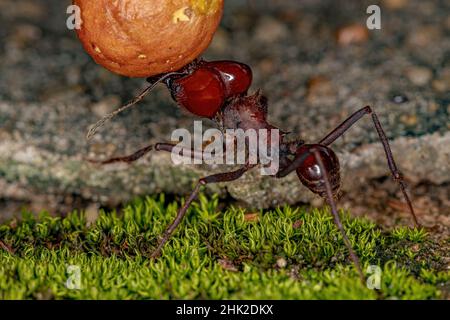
285	253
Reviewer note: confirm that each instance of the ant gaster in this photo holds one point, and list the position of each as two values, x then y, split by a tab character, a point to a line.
218	90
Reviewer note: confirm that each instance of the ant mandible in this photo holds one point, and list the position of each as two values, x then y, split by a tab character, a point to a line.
217	90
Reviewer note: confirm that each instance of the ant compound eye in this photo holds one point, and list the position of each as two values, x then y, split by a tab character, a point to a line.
202	93
311	175
236	76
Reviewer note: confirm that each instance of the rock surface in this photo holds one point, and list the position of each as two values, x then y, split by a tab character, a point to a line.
50	93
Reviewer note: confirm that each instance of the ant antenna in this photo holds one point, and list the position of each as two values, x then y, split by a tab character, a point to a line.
135	100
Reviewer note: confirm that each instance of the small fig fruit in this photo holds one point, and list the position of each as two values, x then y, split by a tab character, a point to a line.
143	38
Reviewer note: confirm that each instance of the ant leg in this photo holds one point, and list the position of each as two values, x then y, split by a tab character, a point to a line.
297	162
337	221
293	165
6	248
342	128
168	147
220	177
127	159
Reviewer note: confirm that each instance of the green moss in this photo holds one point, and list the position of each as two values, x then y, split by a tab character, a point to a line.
286	254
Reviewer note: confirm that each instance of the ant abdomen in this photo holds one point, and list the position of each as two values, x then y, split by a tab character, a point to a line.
310	173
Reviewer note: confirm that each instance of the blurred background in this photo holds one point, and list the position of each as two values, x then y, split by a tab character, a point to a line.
314	59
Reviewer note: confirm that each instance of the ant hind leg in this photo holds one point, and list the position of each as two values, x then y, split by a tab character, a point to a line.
334	211
347	124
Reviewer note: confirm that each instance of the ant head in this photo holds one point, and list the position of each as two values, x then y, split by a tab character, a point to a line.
201	87
310	174
201	92
208	85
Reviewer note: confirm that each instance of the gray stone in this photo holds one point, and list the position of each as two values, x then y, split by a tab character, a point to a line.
419	76
51	92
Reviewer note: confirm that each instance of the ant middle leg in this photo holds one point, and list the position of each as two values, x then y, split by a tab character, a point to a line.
6	248
215	178
347	124
169	147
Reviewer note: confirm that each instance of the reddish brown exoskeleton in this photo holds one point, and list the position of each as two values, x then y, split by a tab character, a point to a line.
218	90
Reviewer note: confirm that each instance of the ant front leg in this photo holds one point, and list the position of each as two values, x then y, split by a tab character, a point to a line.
216	178
167	147
127	159
347	124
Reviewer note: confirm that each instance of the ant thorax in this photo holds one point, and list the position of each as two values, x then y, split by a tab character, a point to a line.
246	112
250	113
243	122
